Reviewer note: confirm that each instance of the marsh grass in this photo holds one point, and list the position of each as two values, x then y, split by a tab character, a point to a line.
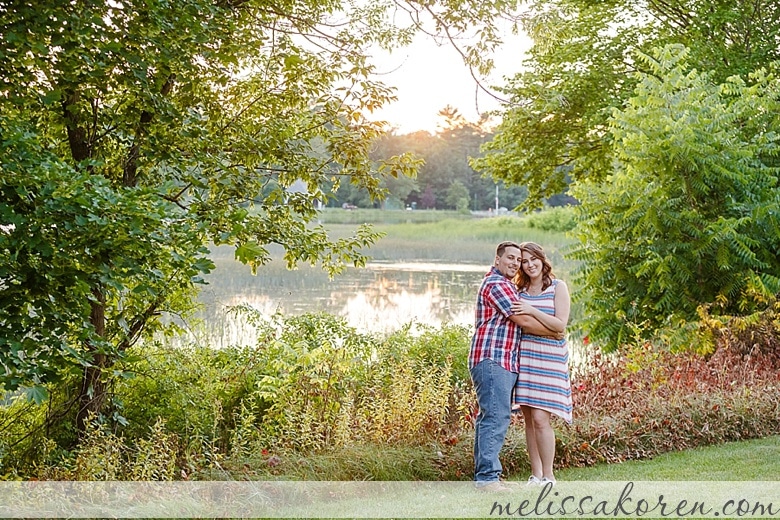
440	236
456	240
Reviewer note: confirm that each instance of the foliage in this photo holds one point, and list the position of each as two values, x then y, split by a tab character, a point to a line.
691	214
155	455
134	133
676	402
65	258
312	383
100	455
745	335
553	130
105	456
689	230
22	439
403	412
562	219
198	391
647	401
446	156
457	197
581	66
329	386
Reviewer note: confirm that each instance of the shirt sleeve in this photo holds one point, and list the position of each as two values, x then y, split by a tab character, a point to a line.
502	295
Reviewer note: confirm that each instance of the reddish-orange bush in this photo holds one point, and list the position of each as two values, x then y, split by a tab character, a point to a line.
650	402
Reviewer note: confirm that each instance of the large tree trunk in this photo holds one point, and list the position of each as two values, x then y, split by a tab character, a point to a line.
92	394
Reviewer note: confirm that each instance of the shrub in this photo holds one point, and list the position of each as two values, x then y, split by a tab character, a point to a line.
25	429
155	456
330	386
559	218
194	389
315	399
625	410
100	455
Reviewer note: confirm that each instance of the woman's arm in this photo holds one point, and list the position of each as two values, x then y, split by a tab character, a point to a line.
562	303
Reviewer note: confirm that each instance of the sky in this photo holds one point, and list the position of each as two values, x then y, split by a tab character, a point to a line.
429	77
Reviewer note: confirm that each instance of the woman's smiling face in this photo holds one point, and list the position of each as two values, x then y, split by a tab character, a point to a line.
532	266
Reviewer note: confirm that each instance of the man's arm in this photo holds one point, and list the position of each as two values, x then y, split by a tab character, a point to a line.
531	325
556	322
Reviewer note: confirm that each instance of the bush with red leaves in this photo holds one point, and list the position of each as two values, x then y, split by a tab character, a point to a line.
628	410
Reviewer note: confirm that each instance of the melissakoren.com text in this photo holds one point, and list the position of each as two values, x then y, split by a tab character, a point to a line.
681	503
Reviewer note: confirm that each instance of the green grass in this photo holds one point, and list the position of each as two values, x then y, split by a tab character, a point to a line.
751	460
387	216
746	460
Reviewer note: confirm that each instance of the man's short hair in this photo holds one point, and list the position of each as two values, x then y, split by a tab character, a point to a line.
503	245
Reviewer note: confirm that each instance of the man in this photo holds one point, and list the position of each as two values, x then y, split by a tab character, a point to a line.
493	361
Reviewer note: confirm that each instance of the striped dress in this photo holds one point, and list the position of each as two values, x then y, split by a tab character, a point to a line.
543	381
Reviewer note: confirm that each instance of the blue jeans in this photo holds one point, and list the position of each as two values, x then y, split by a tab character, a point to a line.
493	385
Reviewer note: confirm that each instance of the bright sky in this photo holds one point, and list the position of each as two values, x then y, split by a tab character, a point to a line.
429	77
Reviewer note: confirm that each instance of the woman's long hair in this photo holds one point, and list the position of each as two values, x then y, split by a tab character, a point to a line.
535	250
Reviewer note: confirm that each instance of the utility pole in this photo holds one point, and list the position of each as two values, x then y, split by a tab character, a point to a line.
496	199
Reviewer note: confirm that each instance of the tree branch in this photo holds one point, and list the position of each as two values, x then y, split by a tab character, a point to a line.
129	175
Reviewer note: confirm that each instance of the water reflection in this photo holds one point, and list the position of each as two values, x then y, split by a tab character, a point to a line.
408	287
380	297
405	294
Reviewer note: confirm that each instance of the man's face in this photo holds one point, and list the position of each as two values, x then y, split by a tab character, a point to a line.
508	263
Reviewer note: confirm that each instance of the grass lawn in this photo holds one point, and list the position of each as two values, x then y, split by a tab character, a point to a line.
685	484
747	460
754	460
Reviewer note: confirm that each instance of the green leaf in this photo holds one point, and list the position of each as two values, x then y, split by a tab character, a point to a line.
250	252
37	394
51	97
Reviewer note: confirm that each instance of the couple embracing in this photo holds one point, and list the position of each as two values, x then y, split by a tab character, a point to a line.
519	358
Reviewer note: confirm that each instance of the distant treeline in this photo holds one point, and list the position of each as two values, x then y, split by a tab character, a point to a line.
445	180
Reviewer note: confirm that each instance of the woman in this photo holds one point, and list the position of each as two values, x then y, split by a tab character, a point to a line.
543	386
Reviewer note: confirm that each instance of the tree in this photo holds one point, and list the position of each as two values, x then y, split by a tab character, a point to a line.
136	133
557	134
457	197
398	187
428	199
582	66
691	214
460	140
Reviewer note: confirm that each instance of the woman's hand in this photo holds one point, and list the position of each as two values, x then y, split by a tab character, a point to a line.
523	307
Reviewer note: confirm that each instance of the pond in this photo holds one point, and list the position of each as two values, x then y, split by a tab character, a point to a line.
380	297
384	296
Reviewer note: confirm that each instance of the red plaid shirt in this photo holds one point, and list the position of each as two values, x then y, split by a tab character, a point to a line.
496	337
